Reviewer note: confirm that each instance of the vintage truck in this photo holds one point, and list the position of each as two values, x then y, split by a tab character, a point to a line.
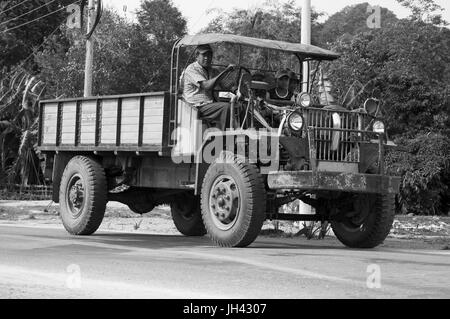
150	149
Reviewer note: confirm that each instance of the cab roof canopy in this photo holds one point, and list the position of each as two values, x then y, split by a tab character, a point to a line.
304	51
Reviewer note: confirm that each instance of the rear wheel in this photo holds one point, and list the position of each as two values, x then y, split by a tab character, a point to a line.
367	223
83	196
233	202
187	216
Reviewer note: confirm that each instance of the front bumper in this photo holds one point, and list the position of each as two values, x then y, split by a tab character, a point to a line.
331	181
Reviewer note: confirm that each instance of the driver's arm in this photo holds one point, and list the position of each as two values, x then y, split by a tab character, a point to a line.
208	85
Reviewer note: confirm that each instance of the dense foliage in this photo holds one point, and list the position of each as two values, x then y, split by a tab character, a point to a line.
409	64
273	20
350	21
18	43
425	167
129	58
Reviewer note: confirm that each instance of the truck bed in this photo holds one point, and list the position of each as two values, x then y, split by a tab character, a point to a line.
126	123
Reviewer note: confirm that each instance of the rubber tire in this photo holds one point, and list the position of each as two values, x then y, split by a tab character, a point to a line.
376	227
95	185
252	202
192	226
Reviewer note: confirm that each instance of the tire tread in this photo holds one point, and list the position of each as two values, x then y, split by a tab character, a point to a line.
384	211
255	196
97	186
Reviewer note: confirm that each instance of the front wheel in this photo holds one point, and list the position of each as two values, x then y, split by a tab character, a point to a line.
233	202
83	196
366	222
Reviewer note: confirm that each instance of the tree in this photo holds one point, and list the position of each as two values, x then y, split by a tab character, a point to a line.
162	20
350	21
18	43
18	127
425	10
425	167
409	64
272	20
126	59
164	24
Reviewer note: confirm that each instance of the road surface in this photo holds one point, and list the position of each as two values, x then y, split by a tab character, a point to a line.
48	263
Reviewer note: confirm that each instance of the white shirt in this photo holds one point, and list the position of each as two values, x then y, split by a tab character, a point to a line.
193	92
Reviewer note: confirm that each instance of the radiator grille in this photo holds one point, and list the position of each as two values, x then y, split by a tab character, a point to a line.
347	149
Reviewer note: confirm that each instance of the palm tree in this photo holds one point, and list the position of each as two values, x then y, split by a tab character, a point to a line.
19	95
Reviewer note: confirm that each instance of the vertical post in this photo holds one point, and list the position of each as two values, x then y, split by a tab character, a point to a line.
306	39
89	53
304	208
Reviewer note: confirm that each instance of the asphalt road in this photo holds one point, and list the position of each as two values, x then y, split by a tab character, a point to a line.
48	263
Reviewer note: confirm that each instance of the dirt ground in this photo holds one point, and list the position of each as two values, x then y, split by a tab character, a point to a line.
411	232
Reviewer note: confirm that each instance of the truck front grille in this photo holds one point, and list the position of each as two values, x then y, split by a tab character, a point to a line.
347	150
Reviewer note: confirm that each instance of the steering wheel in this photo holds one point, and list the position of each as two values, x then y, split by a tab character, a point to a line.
228	80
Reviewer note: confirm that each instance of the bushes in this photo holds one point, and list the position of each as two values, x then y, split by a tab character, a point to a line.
425	167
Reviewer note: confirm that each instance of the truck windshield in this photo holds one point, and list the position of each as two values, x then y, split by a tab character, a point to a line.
254	59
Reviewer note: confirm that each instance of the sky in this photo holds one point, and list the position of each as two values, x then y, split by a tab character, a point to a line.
196	12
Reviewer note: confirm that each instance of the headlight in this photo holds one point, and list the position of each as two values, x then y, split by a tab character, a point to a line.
378	127
304	99
295	122
371	106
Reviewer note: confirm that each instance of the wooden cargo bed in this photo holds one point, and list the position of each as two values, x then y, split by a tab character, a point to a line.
126	123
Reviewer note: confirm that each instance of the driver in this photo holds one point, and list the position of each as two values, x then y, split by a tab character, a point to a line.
198	84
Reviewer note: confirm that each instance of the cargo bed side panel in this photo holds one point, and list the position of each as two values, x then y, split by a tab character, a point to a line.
113	123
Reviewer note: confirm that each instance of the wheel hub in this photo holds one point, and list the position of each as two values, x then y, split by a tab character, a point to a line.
224	202
76	196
